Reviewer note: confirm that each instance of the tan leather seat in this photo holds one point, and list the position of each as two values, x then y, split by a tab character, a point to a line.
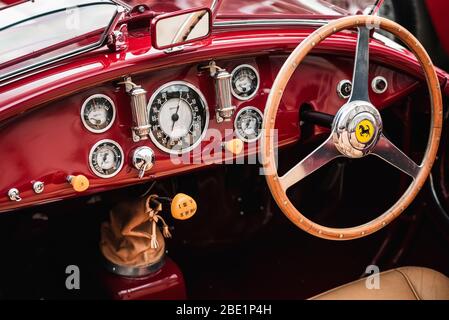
406	283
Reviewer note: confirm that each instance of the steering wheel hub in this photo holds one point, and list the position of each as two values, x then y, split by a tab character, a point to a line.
356	129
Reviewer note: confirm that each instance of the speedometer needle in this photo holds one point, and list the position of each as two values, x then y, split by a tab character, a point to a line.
175	116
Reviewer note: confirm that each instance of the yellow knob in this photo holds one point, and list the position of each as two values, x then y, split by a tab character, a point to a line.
183	207
235	146
79	183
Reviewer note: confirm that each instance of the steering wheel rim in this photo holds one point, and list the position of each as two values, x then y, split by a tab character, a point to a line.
278	185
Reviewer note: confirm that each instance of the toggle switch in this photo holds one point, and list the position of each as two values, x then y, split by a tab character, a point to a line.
79	183
14	195
143	160
235	146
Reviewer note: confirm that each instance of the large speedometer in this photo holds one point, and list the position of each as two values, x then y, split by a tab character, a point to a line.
178	116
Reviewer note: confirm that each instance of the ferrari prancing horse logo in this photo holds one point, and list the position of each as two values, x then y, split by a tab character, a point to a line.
364	131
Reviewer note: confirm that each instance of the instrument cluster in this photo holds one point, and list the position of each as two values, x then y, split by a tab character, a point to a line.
176	118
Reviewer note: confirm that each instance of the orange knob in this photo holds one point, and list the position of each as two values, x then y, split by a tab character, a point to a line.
235	146
183	207
79	183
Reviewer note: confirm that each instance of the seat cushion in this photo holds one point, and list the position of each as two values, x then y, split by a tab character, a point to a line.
406	283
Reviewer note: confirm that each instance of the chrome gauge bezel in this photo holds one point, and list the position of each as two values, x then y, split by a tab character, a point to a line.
83	108
235	94
206	125
92	150
236	121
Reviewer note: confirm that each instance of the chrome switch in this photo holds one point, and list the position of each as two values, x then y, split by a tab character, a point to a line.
14	195
143	160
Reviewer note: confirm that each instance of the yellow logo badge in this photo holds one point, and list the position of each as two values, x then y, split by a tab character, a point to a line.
364	131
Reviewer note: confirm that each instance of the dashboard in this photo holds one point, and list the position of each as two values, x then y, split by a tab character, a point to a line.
93	133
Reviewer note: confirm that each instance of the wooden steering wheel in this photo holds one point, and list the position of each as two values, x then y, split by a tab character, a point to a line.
356	129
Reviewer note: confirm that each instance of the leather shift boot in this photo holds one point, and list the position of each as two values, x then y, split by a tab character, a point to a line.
126	239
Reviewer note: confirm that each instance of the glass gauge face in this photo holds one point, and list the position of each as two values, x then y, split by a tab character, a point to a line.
245	82
178	117
98	113
248	124
106	158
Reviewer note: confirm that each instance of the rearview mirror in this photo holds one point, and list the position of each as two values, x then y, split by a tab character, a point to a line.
182	27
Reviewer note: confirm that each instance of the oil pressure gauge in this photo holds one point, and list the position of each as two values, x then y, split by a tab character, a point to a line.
98	113
245	82
106	158
248	124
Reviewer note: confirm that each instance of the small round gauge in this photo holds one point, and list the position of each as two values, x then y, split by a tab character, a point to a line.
98	113
245	82
248	124
178	117
106	158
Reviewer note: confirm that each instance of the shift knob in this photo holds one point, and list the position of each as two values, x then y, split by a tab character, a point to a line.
79	183
183	207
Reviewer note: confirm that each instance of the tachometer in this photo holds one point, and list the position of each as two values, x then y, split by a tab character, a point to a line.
98	113
245	82
248	124
178	116
106	158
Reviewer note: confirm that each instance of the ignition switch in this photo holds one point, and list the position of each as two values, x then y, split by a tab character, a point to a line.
143	160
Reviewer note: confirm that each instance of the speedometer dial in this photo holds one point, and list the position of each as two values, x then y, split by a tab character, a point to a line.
245	82
178	116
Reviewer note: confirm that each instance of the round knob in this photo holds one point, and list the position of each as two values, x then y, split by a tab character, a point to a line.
183	207
235	146
79	183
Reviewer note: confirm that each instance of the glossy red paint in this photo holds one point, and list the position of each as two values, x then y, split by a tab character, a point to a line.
41	111
439	13
165	284
247	8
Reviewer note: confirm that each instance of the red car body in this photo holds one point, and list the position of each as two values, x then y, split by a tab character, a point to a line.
43	108
439	11
42	137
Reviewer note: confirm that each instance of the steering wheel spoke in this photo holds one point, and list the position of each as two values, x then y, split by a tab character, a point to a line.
359	90
388	152
322	155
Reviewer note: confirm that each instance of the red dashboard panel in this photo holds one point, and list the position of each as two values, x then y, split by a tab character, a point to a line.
50	143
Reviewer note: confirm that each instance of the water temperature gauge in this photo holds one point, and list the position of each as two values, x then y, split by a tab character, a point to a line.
248	124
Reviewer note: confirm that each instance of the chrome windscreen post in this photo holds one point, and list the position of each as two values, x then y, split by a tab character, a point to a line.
141	121
224	109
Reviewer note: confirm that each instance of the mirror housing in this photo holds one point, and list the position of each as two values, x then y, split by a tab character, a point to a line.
181	27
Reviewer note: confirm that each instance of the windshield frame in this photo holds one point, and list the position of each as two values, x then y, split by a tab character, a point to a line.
59	57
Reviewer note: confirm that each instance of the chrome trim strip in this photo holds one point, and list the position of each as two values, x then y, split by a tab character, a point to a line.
270	22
